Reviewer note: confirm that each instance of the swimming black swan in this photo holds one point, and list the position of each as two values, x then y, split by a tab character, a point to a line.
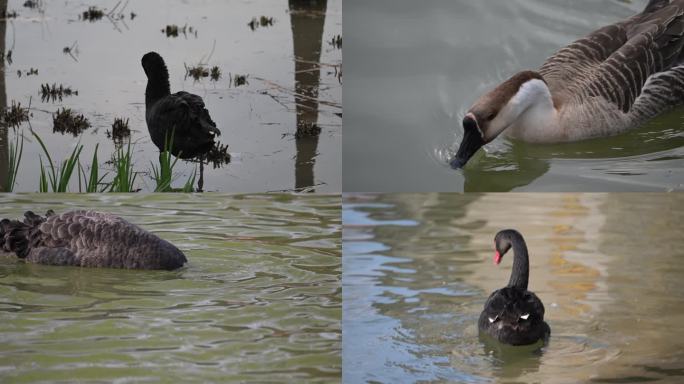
513	315
87	239
181	114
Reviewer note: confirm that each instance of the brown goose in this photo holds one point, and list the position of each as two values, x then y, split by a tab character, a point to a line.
610	81
87	239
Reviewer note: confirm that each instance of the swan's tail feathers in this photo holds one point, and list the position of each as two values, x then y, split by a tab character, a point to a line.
654	5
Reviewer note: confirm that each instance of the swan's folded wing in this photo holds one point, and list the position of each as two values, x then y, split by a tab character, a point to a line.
654	45
198	111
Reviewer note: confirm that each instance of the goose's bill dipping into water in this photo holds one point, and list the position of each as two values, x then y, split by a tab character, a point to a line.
513	315
612	80
87	239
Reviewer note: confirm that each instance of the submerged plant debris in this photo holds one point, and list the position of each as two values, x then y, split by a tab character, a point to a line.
238	80
215	73
53	92
14	115
93	14
262	21
307	129
336	41
218	155
120	131
66	121
173	30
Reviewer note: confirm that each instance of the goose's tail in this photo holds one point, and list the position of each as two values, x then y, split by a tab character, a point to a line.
15	234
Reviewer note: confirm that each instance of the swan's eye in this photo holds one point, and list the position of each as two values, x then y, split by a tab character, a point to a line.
492	319
525	316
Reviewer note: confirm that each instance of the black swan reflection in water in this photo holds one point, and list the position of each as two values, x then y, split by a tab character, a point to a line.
181	115
87	239
513	315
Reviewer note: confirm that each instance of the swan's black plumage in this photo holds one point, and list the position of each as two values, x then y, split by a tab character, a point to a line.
87	239
181	113
513	315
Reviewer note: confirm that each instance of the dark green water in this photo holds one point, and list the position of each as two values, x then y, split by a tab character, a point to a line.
259	300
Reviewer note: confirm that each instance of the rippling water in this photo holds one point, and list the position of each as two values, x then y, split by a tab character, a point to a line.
285	85
259	299
417	270
413	69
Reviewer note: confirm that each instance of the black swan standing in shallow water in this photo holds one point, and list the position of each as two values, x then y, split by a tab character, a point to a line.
181	114
513	315
87	239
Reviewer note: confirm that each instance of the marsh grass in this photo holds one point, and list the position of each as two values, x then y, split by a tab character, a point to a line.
92	181
14	115
66	121
14	162
57	178
53	92
163	174
124	180
120	131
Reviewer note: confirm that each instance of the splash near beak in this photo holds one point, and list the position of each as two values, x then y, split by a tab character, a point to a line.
497	258
472	142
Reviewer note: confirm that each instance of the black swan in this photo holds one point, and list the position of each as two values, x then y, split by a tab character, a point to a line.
181	114
87	239
513	315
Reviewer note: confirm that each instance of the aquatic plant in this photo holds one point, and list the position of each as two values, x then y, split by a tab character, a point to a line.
215	73
53	92
307	129
120	131
172	30
238	80
218	155
336	41
14	115
262	21
57	178
93	14
14	161
65	121
124	179
93	180
196	72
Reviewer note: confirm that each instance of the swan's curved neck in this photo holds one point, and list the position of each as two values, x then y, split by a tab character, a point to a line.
531	113
521	263
157	85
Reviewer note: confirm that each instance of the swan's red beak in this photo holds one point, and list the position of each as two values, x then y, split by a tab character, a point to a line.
497	258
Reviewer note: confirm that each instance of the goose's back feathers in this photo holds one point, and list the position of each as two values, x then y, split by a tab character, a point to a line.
87	239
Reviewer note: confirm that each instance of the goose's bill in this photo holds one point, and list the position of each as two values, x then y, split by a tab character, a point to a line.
472	141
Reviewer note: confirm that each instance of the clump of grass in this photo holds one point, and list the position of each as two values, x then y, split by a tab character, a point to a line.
14	115
196	72
57	178
14	161
238	80
218	155
307	129
53	92
124	180
133	15
262	21
92	181
4	14
32	71
33	3
173	30
215	73
120	131
93	14
163	174
336	41
66	121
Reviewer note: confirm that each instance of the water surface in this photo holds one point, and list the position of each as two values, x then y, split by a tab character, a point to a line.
418	269
414	68
293	78
259	299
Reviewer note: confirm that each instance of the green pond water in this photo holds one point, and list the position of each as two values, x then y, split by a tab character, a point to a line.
418	269
258	301
414	69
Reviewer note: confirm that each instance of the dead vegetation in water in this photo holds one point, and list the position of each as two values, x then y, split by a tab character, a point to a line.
307	129
32	4
71	50
119	132
53	92
66	121
32	71
215	74
174	30
336	41
4	14
218	155
14	115
238	80
261	21
196	71
92	14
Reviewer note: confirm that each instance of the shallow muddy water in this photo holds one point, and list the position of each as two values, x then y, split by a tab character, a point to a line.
418	269
414	69
291	65
258	301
